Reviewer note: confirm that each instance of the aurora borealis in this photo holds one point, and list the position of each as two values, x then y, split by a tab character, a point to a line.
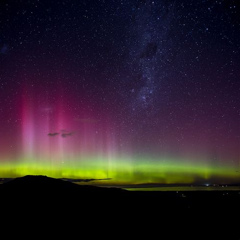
135	91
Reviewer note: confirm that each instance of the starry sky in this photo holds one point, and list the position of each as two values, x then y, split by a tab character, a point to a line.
137	91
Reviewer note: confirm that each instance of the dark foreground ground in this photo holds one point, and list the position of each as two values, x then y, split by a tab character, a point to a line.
47	201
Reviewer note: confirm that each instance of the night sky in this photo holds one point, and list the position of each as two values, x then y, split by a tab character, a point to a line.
134	90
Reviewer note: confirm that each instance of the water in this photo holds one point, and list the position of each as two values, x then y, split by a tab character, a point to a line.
185	188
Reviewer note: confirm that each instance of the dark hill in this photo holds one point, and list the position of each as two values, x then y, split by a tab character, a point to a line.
30	185
45	194
42	201
51	192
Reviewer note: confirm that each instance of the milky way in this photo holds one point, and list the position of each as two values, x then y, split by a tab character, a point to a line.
136	91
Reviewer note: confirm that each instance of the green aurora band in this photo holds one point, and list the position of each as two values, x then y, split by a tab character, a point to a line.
124	170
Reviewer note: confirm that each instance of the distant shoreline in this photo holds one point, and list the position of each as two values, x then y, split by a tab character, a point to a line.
169	187
185	188
148	187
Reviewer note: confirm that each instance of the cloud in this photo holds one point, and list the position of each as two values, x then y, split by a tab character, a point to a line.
63	133
53	134
67	134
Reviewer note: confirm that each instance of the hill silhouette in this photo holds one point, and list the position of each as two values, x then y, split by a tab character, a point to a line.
42	194
45	201
47	187
45	191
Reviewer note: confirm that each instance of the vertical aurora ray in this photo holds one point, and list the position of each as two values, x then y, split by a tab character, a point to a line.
92	150
27	129
79	141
